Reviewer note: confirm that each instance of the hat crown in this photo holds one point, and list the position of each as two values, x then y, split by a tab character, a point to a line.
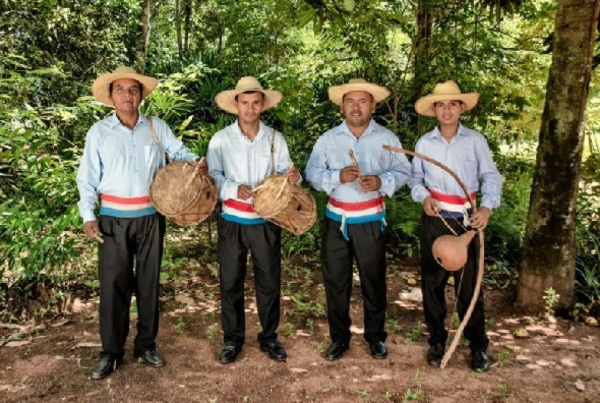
248	83
447	88
124	70
357	81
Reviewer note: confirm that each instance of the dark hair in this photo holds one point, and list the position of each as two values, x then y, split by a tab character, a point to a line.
251	92
111	85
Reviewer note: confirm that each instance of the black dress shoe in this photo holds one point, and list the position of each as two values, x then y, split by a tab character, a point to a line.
435	354
275	350
104	367
151	358
480	362
378	349
229	352
336	350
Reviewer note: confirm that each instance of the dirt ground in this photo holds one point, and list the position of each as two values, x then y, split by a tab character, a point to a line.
557	361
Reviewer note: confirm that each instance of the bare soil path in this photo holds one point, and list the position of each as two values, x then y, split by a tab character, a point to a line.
558	361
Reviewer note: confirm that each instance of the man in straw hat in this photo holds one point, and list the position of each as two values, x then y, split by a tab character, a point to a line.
350	165
466	152
240	156
122	154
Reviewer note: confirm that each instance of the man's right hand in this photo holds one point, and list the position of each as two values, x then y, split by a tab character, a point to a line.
349	174
244	192
430	206
92	230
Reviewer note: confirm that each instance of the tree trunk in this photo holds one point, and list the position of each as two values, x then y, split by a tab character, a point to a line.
143	39
178	27
187	10
421	50
549	245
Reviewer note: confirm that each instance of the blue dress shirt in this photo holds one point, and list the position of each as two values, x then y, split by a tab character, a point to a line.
468	155
123	162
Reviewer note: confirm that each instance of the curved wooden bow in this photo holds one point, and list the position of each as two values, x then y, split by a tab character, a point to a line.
477	288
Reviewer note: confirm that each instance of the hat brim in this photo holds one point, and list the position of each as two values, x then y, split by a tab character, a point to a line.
100	87
424	105
337	92
226	99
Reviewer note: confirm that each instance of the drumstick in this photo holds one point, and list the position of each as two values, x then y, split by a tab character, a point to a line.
98	237
355	163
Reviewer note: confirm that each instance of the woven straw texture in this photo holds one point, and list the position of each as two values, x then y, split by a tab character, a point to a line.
180	195
287	205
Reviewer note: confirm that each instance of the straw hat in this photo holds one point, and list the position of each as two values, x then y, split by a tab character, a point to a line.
101	84
226	99
448	91
337	92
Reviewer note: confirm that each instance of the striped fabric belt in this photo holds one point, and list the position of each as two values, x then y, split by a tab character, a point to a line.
240	212
126	207
453	206
356	213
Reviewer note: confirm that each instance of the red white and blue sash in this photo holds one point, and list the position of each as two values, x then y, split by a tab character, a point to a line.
126	207
240	212
356	213
453	206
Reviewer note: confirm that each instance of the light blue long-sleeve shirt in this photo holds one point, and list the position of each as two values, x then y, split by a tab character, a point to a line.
122	162
468	155
330	155
233	159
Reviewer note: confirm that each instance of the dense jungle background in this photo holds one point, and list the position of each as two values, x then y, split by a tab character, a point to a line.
539	111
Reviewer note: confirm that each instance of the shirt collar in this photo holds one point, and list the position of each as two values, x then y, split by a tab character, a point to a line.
113	120
343	128
460	132
262	130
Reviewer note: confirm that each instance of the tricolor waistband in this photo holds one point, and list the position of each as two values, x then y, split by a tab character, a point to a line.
453	206
126	207
356	213
240	212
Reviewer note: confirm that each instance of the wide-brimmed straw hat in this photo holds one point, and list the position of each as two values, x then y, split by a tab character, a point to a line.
101	84
447	91
337	92
226	99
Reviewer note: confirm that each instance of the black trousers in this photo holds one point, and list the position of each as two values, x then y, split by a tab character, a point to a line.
433	282
367	244
127	240
264	242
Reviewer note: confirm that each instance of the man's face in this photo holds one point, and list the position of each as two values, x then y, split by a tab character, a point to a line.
357	107
249	106
448	112
126	95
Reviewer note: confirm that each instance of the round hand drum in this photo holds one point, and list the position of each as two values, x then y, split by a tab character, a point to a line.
180	195
287	205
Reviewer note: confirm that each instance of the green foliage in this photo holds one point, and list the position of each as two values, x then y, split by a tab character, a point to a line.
415	393
211	331
587	275
550	298
415	333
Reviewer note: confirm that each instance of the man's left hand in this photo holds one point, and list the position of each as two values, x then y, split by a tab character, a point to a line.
201	167
292	175
480	219
369	183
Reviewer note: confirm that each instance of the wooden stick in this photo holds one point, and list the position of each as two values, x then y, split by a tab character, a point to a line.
98	237
353	158
477	289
